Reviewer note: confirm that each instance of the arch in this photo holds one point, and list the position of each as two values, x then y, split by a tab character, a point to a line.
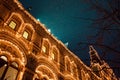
17	15
9	66
45	49
29	29
10	58
74	70
54	53
19	54
15	39
45	61
67	64
45	72
6	54
17	18
29	26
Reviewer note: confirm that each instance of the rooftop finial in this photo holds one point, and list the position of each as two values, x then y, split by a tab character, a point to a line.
91	48
94	55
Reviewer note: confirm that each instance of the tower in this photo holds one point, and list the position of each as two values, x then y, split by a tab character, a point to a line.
100	67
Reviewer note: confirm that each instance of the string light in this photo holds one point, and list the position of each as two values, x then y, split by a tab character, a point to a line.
49	30
38	19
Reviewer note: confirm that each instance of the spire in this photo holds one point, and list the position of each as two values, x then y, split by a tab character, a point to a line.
94	57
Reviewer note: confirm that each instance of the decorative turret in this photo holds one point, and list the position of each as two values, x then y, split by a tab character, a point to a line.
100	67
94	57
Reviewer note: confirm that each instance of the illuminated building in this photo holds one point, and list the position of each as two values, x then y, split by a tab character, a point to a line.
28	51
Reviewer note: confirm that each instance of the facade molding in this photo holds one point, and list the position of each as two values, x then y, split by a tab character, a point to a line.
40	55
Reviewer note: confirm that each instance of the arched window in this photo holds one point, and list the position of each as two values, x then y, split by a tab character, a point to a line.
28	31
8	70
3	64
14	22
54	54
43	72
45	47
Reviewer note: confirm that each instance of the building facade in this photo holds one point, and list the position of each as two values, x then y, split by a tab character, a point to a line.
29	52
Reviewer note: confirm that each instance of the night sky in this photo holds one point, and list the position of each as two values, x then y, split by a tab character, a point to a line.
65	20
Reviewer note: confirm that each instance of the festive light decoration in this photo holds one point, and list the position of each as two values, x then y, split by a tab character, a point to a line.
29	51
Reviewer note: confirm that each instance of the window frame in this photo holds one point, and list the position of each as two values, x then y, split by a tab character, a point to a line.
16	20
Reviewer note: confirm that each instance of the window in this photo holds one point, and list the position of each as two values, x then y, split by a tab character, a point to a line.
3	65
14	21
44	49
12	24
9	76
6	70
25	34
52	55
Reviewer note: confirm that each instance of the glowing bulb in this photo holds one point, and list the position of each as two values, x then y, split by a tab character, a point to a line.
49	30
43	24
66	44
38	19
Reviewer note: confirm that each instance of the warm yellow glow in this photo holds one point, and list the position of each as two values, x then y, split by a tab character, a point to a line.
25	34
12	25
4	58
47	72
15	64
52	56
21	54
44	49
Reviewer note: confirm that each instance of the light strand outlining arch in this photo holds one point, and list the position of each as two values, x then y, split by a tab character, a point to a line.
23	58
